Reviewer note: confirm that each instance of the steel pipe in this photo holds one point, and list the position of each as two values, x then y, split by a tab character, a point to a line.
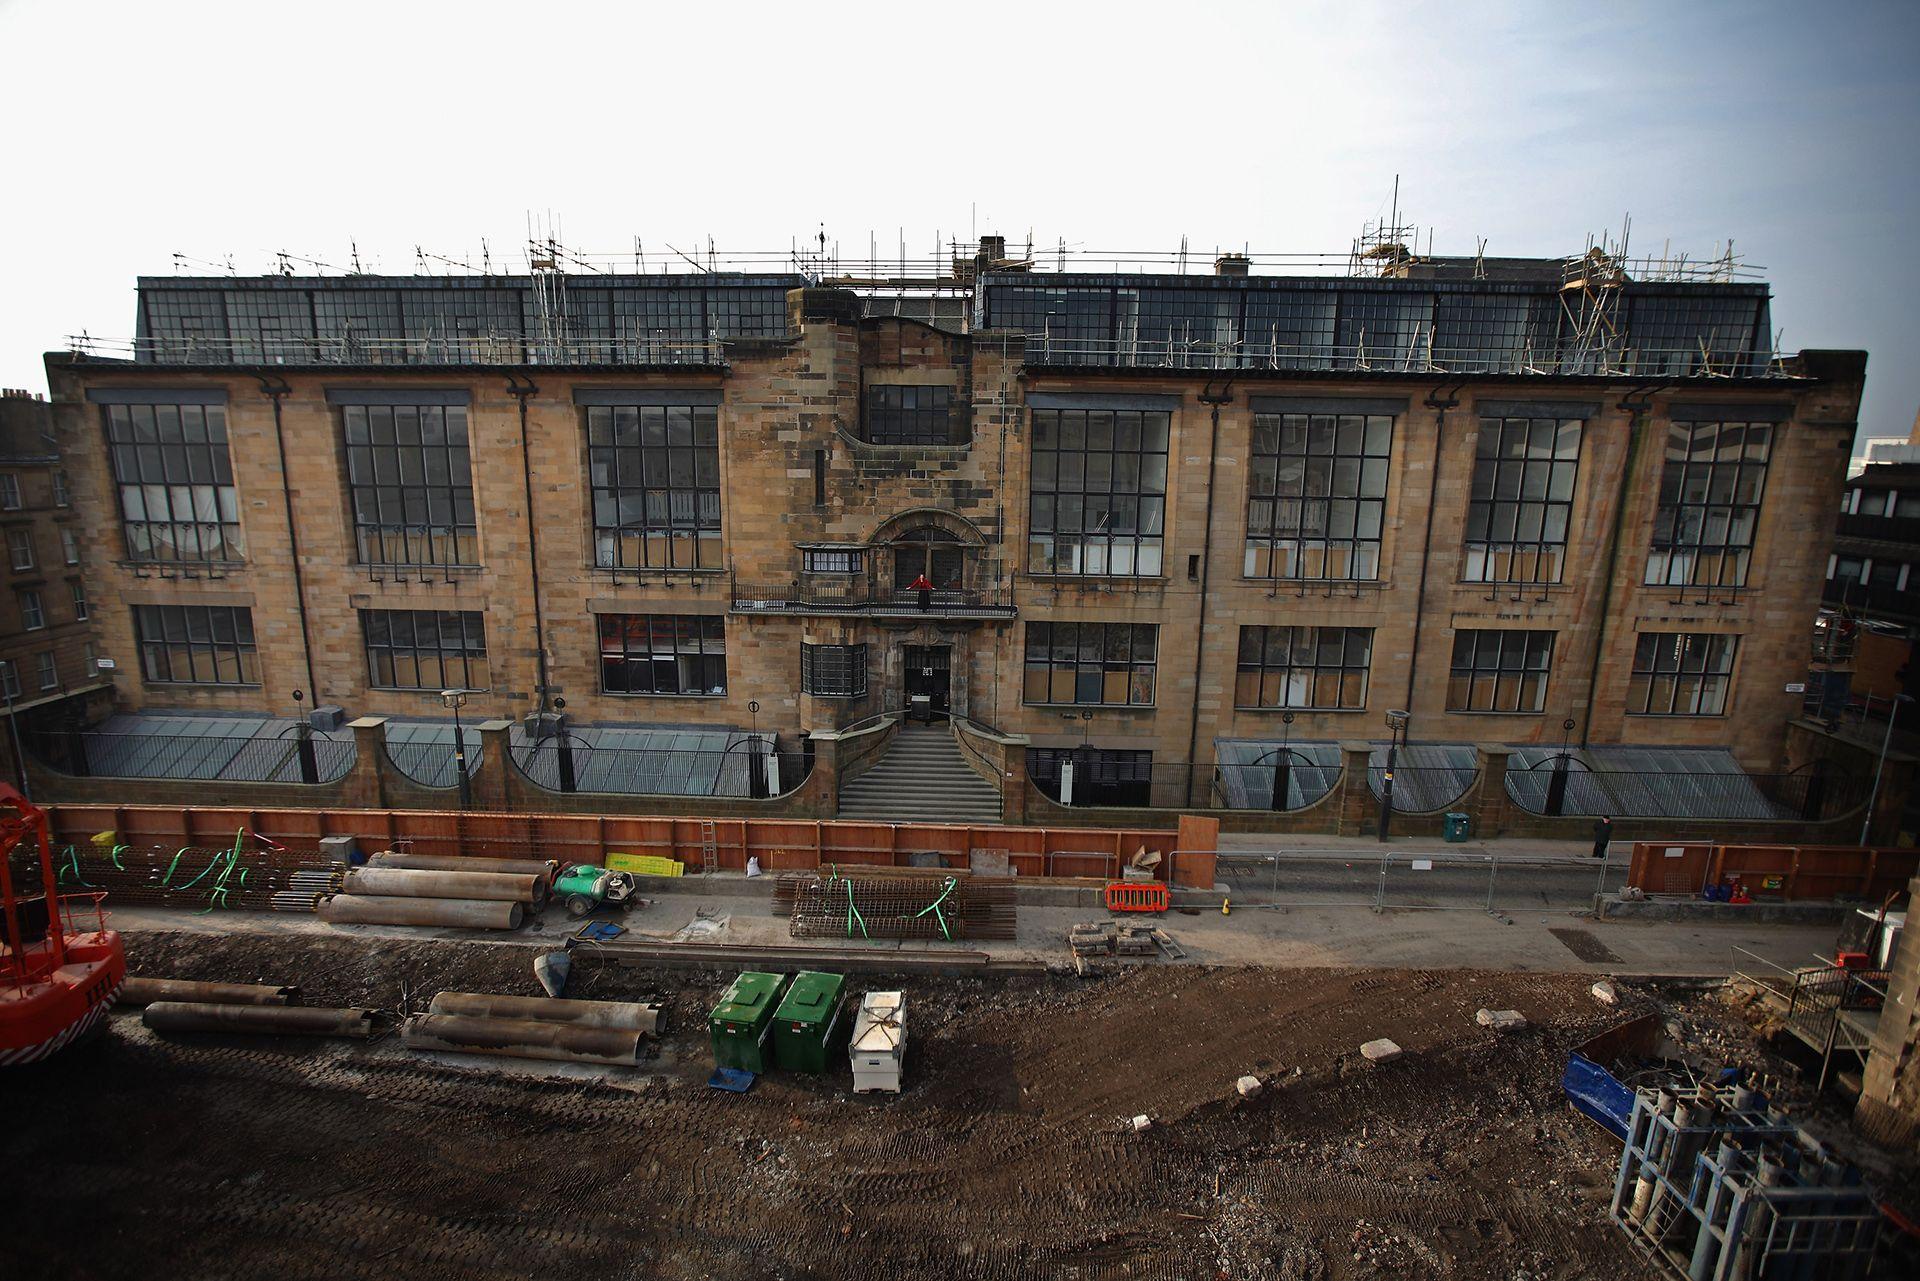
415	883
366	909
145	991
523	1038
546	868
293	1020
626	1015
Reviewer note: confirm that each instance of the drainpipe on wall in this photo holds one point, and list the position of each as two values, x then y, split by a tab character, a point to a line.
521	387
276	388
1213	400
1439	406
1637	403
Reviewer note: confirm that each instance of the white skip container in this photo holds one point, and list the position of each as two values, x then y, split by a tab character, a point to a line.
879	1044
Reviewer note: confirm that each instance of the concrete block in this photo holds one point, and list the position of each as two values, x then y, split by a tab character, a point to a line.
1380	1051
1501	1020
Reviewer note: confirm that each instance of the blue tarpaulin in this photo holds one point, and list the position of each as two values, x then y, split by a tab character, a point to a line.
1593	1090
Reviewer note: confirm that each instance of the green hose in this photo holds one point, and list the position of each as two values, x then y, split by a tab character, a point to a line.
934	907
853	914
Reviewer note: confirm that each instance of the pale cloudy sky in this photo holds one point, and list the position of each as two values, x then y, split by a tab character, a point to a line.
133	131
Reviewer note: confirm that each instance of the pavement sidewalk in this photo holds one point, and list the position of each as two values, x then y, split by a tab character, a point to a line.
1505	847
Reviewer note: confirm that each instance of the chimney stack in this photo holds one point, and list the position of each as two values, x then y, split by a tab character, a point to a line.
1231	265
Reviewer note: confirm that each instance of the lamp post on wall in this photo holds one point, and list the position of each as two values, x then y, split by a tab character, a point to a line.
455	699
1283	764
303	740
1557	784
1396	728
1873	797
756	766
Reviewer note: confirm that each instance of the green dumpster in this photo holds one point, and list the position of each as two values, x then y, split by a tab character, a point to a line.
1458	828
810	1027
741	1024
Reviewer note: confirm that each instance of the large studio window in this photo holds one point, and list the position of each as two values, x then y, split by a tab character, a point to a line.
425	648
410	482
655	476
1710	488
1681	674
1100	663
1522	499
175	482
903	415
1316	495
1499	671
1099	491
663	654
196	644
1318	667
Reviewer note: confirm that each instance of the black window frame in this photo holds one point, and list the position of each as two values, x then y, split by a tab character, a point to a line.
1090	651
1699	487
819	560
644	648
1059	513
1668	657
653	477
409	473
1520	505
1502	661
833	671
1269	654
199	634
466	648
1286	464
172	452
910	414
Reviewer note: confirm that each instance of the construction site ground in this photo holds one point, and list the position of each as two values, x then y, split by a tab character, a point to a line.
1007	1156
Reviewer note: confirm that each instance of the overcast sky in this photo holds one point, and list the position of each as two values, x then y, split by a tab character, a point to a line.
137	130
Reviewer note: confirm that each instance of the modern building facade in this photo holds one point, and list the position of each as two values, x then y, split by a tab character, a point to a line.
1142	522
1872	591
47	654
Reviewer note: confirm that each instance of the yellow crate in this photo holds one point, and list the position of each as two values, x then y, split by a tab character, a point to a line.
645	864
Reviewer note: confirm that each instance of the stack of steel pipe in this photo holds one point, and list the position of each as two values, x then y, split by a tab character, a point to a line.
296	901
362	909
895	907
295	1020
545	868
397	882
145	991
605	1032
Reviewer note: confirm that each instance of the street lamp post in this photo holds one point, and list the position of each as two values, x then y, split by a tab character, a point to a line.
7	671
1396	727
303	740
1873	797
1283	764
456	699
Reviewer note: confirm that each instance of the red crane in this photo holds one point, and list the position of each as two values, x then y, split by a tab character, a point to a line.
59	965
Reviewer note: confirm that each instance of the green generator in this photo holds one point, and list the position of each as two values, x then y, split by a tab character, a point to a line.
811	1026
741	1024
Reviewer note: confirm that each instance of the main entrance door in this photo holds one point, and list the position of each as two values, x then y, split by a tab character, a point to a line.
929	676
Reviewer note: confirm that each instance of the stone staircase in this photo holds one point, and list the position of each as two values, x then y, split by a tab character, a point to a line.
922	778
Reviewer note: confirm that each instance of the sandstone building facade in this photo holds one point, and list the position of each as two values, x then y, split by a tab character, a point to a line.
1137	516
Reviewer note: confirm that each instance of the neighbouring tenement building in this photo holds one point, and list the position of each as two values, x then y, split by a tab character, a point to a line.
1164	532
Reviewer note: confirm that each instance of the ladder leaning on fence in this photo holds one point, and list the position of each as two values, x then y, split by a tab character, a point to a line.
709	849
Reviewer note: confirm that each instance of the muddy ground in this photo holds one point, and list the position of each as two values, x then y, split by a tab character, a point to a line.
1006	1157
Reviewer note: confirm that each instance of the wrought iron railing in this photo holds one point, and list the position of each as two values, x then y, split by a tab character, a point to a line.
289	758
482	349
810	594
430	762
1177	352
1807	796
751	769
